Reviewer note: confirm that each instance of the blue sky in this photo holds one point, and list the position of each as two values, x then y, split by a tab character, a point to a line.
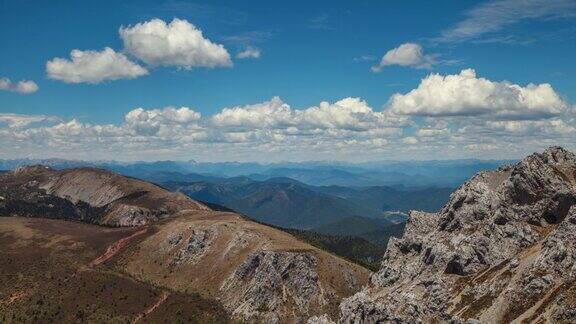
309	52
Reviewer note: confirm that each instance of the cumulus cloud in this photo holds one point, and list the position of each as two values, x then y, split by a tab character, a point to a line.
345	114
178	43
155	121
269	114
93	67
22	87
345	125
408	55
249	52
19	120
493	16
345	129
410	140
550	126
464	94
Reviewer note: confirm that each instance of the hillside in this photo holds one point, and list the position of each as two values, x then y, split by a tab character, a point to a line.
384	198
353	248
502	250
49	276
355	225
376	231
88	195
289	203
256	272
280	202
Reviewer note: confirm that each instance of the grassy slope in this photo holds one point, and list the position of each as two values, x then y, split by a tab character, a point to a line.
44	278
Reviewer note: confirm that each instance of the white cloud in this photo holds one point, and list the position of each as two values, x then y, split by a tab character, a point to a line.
270	114
464	94
93	67
160	121
431	132
18	120
249	52
272	130
346	114
178	43
493	16
23	87
408	55
410	140
364	58
550	126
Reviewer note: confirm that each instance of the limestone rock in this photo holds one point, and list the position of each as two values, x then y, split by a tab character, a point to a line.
502	249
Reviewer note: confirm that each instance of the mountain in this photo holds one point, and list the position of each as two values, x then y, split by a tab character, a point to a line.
502	250
353	248
88	245
282	202
376	231
89	195
384	198
289	203
410	174
355	225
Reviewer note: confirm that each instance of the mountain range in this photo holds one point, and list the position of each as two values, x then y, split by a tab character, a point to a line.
371	213
449	173
89	245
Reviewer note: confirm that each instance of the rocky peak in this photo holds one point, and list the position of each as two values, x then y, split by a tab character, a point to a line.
491	221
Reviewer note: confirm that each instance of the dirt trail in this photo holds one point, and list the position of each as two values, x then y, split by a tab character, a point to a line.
159	302
115	248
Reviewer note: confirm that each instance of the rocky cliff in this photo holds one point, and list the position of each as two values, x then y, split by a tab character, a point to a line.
503	249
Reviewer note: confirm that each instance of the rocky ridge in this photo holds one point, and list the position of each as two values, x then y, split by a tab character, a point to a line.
90	195
503	249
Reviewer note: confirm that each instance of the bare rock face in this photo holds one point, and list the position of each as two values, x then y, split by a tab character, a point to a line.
503	248
257	281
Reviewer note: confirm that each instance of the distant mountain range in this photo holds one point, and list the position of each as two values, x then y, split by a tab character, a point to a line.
332	198
450	173
288	203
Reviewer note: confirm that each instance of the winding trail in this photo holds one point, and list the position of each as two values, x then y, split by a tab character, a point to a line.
113	249
150	309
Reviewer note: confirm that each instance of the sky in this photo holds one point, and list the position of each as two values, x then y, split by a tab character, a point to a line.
286	81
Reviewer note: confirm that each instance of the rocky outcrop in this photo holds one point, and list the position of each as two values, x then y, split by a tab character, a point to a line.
258	273
267	282
501	249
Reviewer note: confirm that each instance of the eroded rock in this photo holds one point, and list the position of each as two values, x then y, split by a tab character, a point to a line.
501	249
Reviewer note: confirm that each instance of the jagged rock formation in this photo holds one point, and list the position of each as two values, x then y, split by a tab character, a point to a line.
503	249
255	272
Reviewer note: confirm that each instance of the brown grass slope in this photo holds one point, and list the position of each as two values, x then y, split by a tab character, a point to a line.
182	252
45	277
